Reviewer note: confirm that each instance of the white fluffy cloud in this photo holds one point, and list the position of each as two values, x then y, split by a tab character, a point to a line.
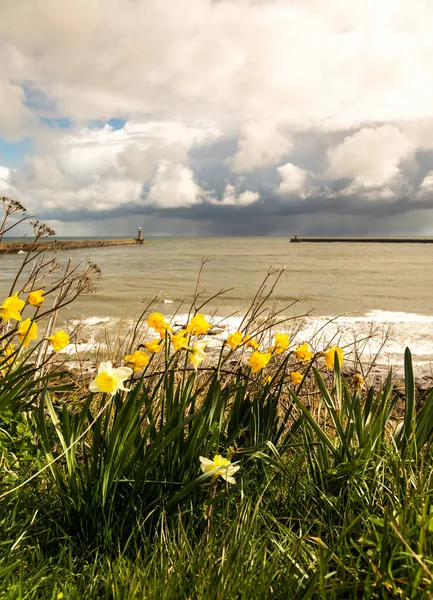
260	145
232	197
174	186
16	120
365	61
293	180
426	187
99	169
370	157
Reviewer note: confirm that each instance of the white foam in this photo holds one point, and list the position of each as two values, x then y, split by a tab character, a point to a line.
385	333
91	321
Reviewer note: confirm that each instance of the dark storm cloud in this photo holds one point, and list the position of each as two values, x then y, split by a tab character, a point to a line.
271	215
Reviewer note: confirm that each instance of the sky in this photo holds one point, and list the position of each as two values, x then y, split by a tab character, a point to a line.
219	117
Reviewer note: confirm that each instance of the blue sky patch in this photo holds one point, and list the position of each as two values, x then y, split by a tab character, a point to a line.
13	154
57	123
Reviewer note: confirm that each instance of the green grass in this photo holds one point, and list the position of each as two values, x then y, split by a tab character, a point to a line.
330	503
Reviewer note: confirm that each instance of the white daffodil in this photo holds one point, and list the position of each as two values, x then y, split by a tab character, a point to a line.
109	380
219	466
197	354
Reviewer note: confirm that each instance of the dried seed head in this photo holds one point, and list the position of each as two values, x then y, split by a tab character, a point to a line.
41	230
12	206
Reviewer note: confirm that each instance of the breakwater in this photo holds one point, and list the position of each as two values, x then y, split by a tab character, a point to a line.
57	246
364	240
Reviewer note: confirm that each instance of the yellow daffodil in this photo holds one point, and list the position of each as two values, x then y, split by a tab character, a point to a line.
8	359
358	381
281	343
139	360
259	360
59	340
36	298
234	340
250	342
179	340
197	354
157	321
219	467
27	331
109	379
296	377
303	352
198	325
11	307
330	356
154	346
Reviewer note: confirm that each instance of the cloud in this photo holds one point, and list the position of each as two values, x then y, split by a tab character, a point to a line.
371	157
232	197
174	186
141	164
209	89
427	182
101	168
293	180
260	145
15	118
242	60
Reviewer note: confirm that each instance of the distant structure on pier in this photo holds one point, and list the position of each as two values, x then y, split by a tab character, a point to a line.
139	239
388	240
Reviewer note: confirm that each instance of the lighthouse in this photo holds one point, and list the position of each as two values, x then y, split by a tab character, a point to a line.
140	239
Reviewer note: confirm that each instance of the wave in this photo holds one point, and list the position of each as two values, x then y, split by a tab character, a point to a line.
378	334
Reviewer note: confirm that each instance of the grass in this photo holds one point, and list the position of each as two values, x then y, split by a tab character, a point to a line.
337	507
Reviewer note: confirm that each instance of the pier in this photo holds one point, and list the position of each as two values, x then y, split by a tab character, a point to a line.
360	240
58	246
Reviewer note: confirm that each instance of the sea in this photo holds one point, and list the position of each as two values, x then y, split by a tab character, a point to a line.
374	299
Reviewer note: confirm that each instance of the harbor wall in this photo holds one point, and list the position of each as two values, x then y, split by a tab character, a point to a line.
364	240
56	246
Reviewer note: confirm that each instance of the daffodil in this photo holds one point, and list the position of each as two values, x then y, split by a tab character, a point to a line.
179	340
154	346
250	342
259	360
109	379
197	354
234	340
59	340
303	352
157	321
358	381
281	343
8	351
36	298
219	467
11	307
27	331
198	325
330	356
296	377
139	360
